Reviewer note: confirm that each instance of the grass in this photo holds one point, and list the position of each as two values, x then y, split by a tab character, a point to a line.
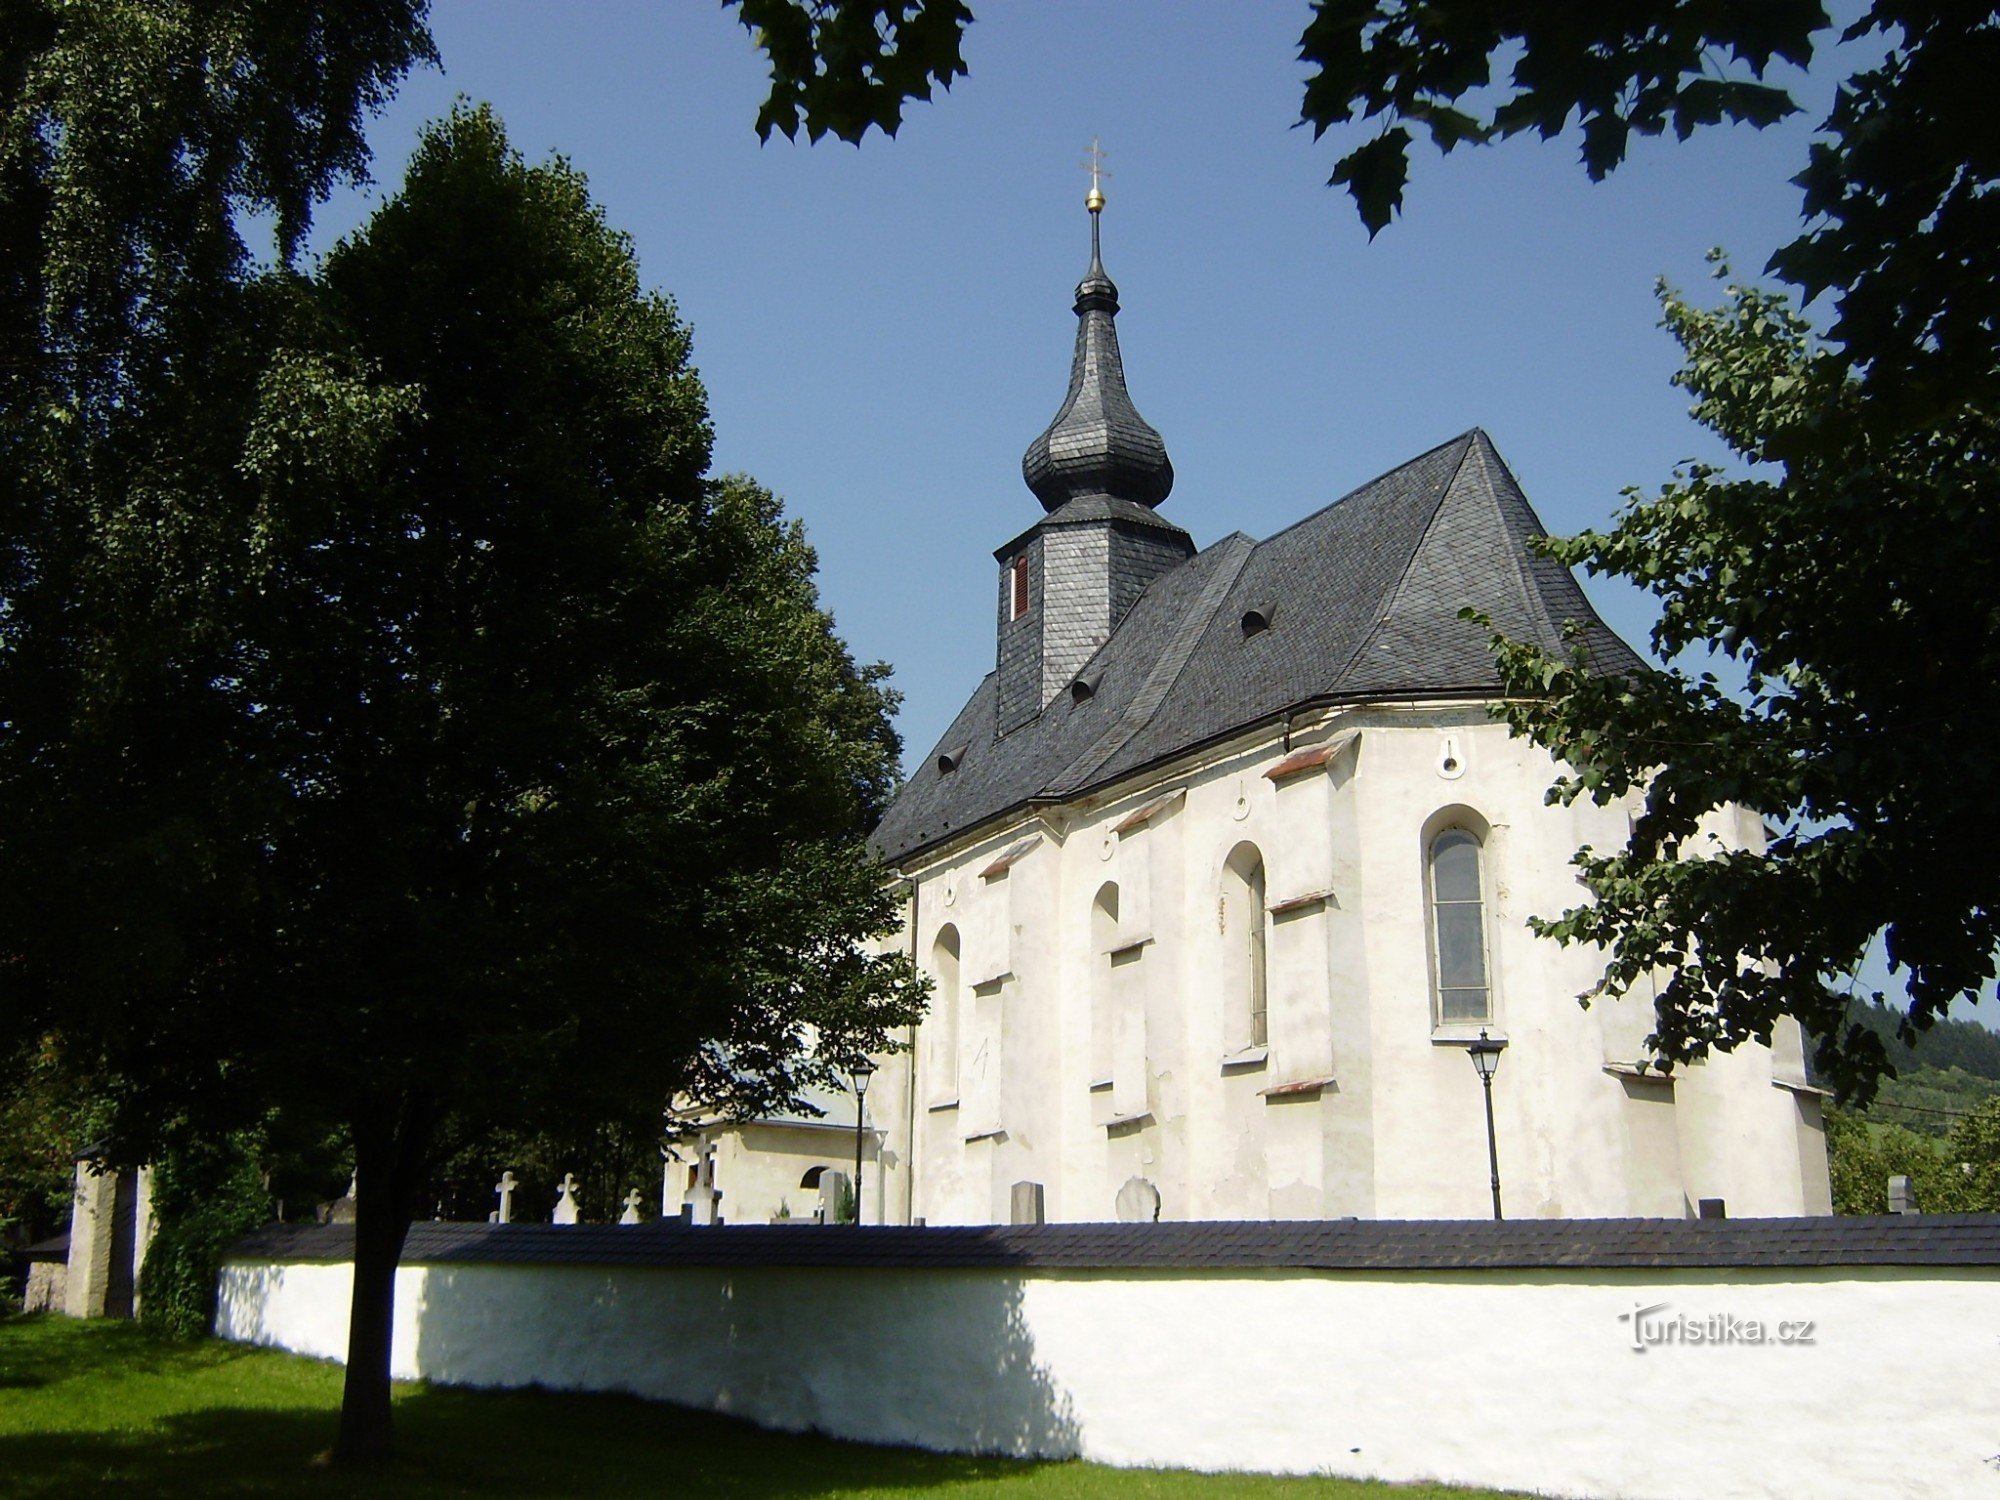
97	1408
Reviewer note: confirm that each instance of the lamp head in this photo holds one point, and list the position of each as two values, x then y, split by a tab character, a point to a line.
1485	1054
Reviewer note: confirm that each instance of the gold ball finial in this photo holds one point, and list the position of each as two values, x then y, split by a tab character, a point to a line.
1094	200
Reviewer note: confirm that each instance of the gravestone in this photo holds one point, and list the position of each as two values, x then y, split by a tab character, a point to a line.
632	1202
1026	1205
1901	1199
505	1188
566	1212
834	1190
1138	1202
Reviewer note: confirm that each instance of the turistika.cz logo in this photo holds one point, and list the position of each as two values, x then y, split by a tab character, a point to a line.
1653	1325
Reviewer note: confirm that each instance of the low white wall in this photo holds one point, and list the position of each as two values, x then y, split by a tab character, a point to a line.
1522	1380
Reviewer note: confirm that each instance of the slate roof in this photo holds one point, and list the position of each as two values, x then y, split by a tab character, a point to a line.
1320	1245
1097	444
1363	598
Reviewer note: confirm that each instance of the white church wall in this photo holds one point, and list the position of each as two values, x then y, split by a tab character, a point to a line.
1360	1102
1522	1379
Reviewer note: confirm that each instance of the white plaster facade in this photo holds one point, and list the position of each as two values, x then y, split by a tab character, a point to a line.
1520	1379
1173	871
1076	1051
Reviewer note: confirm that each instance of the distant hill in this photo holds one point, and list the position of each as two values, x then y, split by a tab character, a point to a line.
1952	1069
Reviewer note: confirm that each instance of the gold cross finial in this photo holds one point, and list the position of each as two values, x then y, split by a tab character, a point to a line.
1095	167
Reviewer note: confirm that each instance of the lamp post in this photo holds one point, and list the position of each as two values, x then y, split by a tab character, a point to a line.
1485	1054
862	1071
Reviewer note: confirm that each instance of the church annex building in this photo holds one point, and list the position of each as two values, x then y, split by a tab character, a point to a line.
1222	868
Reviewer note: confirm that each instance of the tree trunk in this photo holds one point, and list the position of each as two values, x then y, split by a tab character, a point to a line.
383	1209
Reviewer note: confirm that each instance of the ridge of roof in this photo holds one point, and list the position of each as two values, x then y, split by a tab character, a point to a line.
1389	596
1368	484
1489	460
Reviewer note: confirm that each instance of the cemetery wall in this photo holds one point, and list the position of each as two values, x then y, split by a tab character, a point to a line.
1849	1357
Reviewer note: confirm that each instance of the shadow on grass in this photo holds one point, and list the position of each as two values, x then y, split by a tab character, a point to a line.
450	1442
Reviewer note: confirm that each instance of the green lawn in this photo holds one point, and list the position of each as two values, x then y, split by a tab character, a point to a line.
96	1408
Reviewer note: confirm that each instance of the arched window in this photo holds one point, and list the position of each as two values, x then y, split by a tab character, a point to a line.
1458	927
1103	1023
812	1177
1243	919
944	1013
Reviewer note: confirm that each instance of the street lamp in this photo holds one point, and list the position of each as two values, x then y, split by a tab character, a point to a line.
1485	1054
862	1071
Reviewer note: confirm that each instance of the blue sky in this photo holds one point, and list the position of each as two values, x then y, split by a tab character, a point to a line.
883	330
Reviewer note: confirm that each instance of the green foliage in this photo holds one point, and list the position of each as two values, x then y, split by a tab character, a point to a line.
843	66
1898	188
1615	71
1959	1175
1930	1100
1850	581
205	1195
48	1113
136	141
608	1160
517	755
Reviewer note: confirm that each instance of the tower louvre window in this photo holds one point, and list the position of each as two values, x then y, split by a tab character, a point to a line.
1019	569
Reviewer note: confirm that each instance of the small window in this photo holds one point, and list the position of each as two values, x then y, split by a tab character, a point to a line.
1019	570
943	1020
1103	1020
1243	919
1458	928
811	1179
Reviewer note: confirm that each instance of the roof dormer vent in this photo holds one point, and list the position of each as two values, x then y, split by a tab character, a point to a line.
1083	689
1257	620
950	760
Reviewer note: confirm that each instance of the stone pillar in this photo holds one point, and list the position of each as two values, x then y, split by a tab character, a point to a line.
93	1233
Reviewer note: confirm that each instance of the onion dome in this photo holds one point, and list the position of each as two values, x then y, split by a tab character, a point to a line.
1098	443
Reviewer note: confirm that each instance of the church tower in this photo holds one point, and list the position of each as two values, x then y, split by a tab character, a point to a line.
1099	470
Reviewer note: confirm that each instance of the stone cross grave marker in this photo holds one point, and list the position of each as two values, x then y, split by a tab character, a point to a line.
505	1188
566	1205
632	1202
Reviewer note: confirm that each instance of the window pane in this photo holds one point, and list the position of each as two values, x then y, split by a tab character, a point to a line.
1460	952
1455	867
1463	1005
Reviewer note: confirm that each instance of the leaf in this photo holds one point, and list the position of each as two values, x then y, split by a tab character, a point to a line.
1374	176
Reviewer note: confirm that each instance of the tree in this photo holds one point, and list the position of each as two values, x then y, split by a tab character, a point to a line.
1960	1175
1851	581
531	771
136	141
1850	578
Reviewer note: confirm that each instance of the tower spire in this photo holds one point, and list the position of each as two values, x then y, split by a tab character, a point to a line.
1098	444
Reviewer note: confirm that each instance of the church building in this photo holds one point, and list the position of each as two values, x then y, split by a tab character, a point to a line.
1222	875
